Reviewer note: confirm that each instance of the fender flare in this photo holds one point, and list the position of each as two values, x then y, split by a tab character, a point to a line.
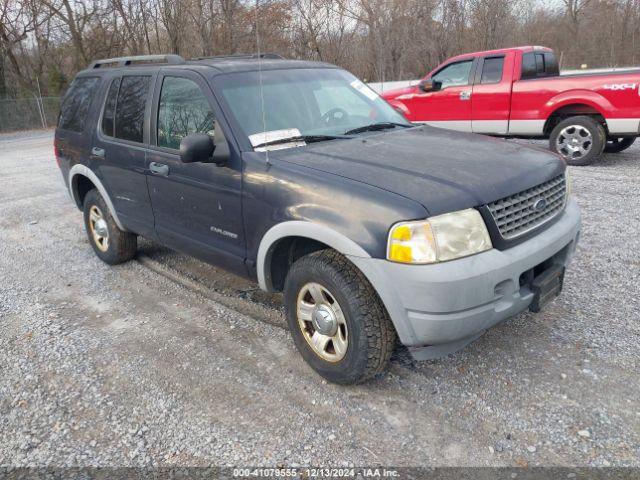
305	229
86	172
582	97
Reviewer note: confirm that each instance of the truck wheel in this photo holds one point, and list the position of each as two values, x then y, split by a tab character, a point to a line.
579	140
111	244
337	321
617	145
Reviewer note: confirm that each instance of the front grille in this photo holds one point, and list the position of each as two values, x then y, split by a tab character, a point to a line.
524	211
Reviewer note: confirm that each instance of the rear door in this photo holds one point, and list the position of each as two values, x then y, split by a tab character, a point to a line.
491	99
197	206
449	106
118	154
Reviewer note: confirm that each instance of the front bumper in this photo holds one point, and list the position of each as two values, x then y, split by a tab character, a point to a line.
449	304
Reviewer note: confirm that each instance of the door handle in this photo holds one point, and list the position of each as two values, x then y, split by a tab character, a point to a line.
159	169
98	152
465	95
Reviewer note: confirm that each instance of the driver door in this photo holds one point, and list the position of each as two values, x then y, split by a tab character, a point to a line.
449	104
196	206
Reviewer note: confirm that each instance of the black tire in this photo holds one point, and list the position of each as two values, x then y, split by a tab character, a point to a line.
120	246
371	335
592	142
617	145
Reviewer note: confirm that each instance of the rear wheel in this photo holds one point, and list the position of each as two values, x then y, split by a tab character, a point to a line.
579	140
110	244
617	145
336	318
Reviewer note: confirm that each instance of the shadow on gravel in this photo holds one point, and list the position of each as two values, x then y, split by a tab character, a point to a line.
191	272
209	276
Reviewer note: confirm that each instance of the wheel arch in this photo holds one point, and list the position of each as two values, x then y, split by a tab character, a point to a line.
80	178
285	242
579	102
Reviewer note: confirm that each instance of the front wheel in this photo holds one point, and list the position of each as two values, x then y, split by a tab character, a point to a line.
617	145
579	140
336	318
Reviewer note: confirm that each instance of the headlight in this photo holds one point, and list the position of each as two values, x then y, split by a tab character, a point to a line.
437	239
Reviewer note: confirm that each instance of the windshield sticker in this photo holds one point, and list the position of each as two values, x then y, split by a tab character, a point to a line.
274	135
363	89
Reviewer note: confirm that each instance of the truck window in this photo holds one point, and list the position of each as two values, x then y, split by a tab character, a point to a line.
454	74
75	107
130	107
551	67
492	70
183	110
108	115
539	64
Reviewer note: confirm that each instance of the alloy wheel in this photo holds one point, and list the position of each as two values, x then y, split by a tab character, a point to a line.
574	142
322	322
99	229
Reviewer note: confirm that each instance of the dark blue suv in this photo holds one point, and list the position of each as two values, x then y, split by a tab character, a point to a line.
298	175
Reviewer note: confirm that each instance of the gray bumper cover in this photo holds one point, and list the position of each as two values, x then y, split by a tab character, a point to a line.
447	305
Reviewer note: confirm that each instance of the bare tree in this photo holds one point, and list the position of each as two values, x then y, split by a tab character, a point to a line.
375	39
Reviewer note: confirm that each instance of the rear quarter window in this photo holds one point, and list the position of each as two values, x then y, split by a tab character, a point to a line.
538	65
77	102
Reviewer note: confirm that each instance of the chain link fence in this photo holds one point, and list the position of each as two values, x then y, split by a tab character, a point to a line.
28	113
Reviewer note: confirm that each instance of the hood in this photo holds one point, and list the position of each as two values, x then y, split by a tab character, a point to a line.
441	169
396	92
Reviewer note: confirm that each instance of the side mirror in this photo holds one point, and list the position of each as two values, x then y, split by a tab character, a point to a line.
428	85
197	147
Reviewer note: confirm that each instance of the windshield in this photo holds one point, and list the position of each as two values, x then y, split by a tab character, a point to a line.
302	102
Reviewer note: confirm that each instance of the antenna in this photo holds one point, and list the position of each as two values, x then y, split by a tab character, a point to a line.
264	118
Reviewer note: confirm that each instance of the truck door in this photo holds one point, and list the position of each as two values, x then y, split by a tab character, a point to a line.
196	206
449	104
491	98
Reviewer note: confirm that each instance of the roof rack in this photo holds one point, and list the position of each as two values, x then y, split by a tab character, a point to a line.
136	60
240	56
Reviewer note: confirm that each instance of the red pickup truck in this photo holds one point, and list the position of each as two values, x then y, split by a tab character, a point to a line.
519	92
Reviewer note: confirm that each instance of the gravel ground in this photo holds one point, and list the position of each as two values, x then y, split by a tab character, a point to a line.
167	361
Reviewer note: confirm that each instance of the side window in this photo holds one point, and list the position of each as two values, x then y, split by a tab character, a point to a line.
108	116
536	65
183	109
75	107
454	74
551	67
528	66
130	107
492	68
539	64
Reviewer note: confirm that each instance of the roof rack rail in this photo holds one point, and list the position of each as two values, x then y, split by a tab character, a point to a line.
273	56
138	59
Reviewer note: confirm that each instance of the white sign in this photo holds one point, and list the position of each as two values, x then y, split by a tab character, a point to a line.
273	135
363	89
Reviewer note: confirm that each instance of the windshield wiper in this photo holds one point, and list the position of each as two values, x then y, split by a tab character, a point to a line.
302	138
376	126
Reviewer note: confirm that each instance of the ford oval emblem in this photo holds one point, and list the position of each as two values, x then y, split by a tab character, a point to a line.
540	204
